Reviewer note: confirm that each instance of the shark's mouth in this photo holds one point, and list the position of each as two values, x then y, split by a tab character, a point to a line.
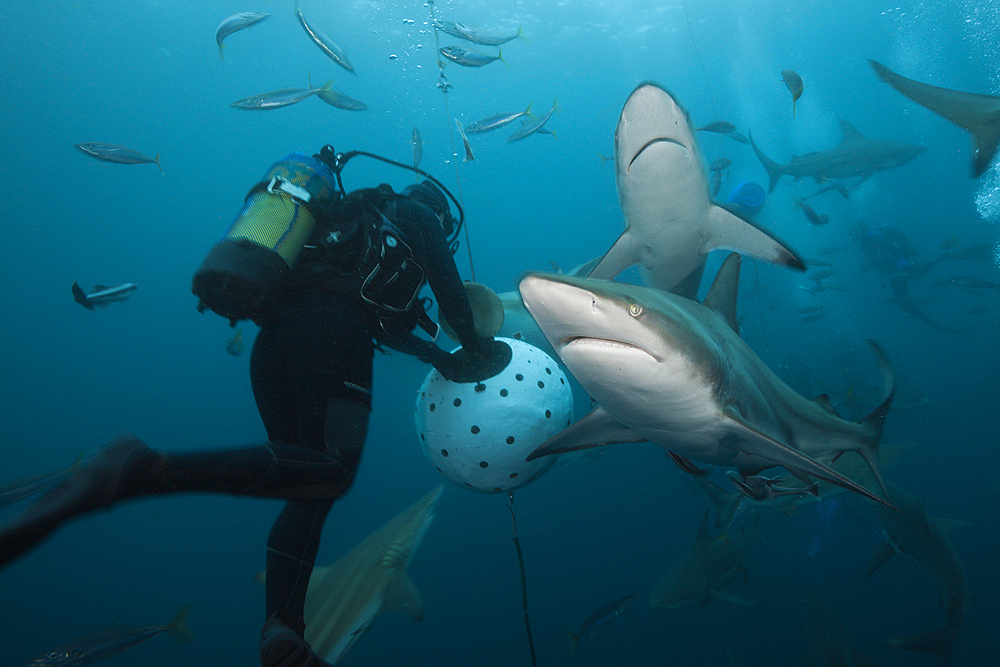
657	140
607	343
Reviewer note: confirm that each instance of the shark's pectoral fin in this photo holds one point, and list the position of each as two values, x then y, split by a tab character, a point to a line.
885	552
596	429
623	254
726	230
755	443
402	595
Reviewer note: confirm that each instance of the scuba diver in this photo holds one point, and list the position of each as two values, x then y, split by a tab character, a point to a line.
345	285
888	250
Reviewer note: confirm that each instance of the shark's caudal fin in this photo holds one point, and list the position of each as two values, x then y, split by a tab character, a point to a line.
773	168
874	422
977	114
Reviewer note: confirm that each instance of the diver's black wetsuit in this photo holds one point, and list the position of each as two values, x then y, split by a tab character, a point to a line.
311	372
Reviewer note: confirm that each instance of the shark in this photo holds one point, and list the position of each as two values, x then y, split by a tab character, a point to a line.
343	598
856	156
674	372
979	115
923	539
671	222
704	570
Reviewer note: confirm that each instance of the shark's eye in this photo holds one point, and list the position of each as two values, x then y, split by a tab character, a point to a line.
634	309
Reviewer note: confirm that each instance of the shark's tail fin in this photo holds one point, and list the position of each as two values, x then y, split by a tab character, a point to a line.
773	168
875	420
178	628
939	642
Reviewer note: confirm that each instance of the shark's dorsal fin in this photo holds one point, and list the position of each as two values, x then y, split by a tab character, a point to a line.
850	132
823	401
721	298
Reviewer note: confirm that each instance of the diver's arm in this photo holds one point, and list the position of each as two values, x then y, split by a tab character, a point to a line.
441	272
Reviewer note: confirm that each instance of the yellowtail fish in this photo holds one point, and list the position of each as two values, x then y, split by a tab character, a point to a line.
325	44
601	618
497	121
535	126
102	294
469	157
418	147
117	154
794	83
475	36
106	644
235	23
274	99
467	58
341	101
234	345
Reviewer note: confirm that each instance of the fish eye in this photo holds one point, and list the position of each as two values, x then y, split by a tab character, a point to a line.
634	309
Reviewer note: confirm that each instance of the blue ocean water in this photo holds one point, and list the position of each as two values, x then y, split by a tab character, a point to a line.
148	75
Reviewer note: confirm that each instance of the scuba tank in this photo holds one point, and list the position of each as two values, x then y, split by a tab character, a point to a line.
255	258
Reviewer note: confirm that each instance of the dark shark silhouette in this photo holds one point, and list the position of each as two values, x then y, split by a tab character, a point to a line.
979	115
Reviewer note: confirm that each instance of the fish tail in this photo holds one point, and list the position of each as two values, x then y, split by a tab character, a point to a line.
500	57
874	422
80	297
158	165
527	112
221	57
574	643
178	628
520	34
555	106
773	168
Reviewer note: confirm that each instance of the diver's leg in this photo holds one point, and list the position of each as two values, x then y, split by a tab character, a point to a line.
91	485
294	540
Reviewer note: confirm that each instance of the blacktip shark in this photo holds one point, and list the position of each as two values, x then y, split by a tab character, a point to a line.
663	189
923	539
343	598
705	569
856	156
674	372
979	115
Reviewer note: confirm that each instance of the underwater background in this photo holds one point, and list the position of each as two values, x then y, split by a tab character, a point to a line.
148	75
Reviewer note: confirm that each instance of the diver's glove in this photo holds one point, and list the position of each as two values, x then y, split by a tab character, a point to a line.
475	363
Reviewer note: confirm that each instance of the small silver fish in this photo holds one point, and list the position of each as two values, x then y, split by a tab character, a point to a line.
535	126
106	644
325	44
102	294
496	121
719	126
235	23
234	346
418	147
812	216
470	34
274	99
340	100
467	58
469	157
118	154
